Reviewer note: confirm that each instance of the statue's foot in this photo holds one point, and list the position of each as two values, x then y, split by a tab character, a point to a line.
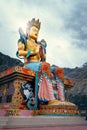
58	102
54	102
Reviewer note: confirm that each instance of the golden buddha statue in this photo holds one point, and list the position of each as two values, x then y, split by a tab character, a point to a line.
31	50
34	54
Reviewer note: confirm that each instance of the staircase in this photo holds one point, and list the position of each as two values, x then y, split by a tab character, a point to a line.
39	121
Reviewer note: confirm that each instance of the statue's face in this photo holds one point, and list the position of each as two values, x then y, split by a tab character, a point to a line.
33	32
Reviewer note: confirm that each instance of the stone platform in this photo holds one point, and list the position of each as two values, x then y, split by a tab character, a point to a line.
41	121
12	102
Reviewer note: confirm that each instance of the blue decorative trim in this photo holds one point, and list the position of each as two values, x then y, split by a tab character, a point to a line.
36	91
36	95
28	54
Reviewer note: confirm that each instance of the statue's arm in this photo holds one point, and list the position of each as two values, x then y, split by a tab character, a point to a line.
21	49
43	59
42	54
43	46
28	52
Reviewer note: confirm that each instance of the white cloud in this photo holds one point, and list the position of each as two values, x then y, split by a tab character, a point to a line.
53	14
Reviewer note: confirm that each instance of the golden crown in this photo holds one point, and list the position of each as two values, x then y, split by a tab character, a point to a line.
34	22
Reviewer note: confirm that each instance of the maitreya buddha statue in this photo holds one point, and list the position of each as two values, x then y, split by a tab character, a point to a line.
34	53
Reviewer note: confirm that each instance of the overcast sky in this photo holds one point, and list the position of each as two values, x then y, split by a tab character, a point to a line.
63	26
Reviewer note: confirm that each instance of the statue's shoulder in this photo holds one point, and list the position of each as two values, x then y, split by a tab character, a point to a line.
43	43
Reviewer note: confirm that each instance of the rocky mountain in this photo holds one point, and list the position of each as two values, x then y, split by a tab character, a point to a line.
77	94
7	62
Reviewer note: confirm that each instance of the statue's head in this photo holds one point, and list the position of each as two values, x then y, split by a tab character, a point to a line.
33	28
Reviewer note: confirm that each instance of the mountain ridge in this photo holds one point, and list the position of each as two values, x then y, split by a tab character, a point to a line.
7	62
